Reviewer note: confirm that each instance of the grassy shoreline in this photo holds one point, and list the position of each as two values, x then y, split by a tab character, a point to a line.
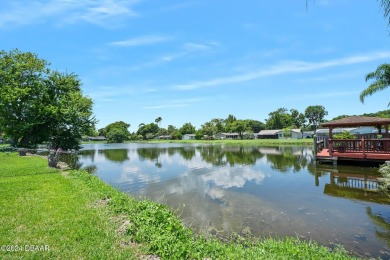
79	216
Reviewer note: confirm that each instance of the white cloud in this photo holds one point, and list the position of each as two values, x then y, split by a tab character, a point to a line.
186	50
100	12
282	68
139	41
191	47
228	177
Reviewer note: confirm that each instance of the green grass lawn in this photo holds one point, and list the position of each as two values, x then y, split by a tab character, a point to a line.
78	216
41	206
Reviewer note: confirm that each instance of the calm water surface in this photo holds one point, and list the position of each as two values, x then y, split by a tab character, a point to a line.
271	191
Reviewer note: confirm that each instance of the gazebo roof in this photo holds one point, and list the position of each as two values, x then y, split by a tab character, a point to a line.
357	121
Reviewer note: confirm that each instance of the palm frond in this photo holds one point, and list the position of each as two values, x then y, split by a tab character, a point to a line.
385	4
372	89
381	77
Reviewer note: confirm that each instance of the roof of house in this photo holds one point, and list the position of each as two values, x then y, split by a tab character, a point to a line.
357	121
270	132
296	130
190	134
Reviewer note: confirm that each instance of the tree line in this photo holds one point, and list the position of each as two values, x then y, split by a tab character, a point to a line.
282	118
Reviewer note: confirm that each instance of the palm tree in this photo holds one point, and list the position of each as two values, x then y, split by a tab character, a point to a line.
158	120
385	4
381	79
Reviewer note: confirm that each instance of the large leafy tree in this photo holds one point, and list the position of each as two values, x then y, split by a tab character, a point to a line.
239	126
39	105
315	115
298	119
279	119
116	132
381	81
187	128
148	131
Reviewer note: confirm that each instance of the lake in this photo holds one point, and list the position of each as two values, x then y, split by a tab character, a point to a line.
265	191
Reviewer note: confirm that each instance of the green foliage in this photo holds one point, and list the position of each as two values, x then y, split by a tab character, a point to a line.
116	135
381	81
116	132
148	131
238	126
344	135
230	119
158	120
282	118
286	132
279	119
39	105
385	183
171	129
187	128
383	113
315	115
176	135
116	125
298	119
254	125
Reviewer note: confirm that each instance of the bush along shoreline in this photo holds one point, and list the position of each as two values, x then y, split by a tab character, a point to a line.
143	229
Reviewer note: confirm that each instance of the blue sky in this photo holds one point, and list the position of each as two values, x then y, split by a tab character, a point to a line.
191	61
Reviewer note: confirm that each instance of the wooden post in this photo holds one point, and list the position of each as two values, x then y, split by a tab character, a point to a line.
387	131
363	148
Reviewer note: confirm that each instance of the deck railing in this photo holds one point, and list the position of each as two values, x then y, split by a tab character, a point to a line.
360	145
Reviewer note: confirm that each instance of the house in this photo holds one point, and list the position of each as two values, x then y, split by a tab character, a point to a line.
189	137
279	133
270	134
227	136
296	134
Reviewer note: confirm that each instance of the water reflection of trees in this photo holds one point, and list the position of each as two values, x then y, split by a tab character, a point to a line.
88	154
285	158
151	154
380	221
221	156
187	153
280	158
115	155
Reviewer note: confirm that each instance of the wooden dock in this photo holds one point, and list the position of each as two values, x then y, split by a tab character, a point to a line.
326	155
374	147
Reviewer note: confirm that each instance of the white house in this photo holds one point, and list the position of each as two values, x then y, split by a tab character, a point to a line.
189	137
296	134
227	136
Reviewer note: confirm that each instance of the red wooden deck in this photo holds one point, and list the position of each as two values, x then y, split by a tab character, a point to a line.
324	154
